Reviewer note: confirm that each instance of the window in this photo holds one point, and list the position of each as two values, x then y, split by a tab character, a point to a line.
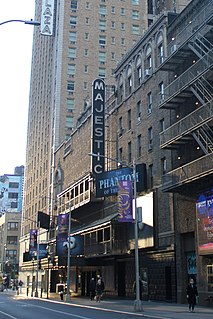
71	86
102	25
149	62
86	68
69	122
74	5
113	24
113	40
102	40
102	57
130	83
113	10
163	165
85	85
86	52
122	26
135	29
102	72
135	2
129	120
150	139
72	37
139	73
122	11
138	111
107	234
13	185
14	205
13	195
120	155
12	240
71	69
151	175
72	53
87	6
162	125
102	9
12	226
70	104
87	20
120	125
11	254
129	152
86	36
161	53
135	15
73	21
139	145
113	55
161	89
122	41
149	95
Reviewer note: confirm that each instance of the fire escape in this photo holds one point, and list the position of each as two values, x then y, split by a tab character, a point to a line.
190	95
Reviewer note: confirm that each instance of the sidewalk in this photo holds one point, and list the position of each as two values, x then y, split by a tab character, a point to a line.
151	309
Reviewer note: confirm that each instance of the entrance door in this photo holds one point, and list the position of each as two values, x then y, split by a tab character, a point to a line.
168	279
121	279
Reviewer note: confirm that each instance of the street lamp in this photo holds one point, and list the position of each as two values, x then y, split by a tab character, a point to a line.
68	258
31	22
137	303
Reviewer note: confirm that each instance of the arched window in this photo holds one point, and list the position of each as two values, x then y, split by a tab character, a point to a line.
138	70
129	80
160	49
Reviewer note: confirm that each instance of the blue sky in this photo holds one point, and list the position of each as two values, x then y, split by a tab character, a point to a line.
15	64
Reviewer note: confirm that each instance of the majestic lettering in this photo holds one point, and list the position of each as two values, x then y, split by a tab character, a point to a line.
98	130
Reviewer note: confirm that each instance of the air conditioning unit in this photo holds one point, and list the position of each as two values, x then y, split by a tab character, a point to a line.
173	48
147	73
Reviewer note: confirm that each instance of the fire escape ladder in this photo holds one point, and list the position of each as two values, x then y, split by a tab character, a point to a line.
204	138
200	45
202	89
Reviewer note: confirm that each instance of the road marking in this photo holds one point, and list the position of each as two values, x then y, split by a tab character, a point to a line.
6	314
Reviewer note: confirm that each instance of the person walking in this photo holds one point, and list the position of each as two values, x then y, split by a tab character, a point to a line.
92	286
191	294
99	289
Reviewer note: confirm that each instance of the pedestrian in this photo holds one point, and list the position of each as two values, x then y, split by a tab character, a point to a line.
191	294
20	285
61	291
92	286
99	289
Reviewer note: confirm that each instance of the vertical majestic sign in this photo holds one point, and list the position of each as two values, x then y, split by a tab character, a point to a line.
47	17
98	126
33	242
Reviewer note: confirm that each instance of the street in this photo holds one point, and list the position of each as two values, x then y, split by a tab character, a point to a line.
20	308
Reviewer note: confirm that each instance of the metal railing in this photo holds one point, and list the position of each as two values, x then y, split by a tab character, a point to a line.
186	125
186	173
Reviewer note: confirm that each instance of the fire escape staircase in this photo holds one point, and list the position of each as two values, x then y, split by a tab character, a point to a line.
200	46
203	90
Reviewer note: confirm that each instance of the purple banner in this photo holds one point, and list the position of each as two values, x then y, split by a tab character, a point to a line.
33	241
125	201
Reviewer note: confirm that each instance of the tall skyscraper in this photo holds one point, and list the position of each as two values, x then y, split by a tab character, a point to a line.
78	42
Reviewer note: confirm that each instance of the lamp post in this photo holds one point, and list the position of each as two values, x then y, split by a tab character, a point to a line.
137	303
68	257
31	22
37	259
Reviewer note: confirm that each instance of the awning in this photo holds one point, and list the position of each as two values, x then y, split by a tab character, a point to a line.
94	225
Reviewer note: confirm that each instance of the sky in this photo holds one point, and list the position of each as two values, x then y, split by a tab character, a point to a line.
15	64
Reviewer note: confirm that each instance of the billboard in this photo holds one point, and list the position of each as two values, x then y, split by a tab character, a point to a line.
204	210
62	241
10	193
33	242
98	126
107	182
